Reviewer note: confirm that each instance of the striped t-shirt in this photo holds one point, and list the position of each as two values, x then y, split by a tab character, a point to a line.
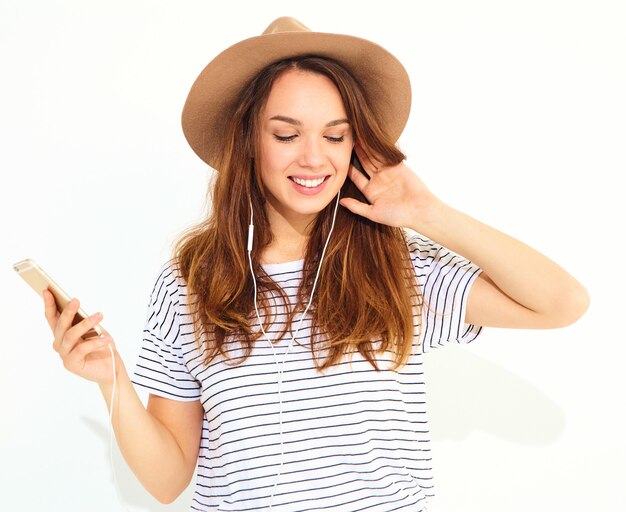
353	438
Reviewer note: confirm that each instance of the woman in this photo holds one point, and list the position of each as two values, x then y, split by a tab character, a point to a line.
285	360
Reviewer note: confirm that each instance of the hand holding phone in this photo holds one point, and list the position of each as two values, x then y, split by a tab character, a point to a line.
79	340
38	280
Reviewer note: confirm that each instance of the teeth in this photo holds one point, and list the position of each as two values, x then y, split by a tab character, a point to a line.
308	183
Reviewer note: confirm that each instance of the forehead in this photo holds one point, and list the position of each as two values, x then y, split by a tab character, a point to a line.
297	92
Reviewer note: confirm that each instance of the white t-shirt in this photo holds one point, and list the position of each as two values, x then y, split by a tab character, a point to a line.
353	438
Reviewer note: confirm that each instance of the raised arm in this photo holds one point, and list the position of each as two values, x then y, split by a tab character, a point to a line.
519	287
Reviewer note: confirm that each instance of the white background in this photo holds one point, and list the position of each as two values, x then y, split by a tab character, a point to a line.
518	119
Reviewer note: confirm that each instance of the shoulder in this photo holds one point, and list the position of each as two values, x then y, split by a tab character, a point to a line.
169	292
166	304
168	277
422	250
419	244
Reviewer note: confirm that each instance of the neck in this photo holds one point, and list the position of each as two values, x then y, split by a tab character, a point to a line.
290	234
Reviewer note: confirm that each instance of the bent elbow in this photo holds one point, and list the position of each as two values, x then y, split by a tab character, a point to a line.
166	498
168	494
574	305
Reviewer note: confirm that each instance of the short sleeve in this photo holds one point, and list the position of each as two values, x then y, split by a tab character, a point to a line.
445	279
161	368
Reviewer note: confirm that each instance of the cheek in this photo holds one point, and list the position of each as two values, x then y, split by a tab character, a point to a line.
278	159
342	162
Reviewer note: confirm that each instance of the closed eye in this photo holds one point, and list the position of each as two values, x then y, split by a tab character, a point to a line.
288	138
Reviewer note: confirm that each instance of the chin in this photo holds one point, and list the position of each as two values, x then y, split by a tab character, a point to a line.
304	207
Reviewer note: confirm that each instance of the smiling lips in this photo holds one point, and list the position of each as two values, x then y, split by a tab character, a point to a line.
308	185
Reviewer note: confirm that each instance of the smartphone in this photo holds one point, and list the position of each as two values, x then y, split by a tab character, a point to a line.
38	280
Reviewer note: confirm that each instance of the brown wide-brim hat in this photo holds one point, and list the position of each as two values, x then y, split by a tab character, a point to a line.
213	96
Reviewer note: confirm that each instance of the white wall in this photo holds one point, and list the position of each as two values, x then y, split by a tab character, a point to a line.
517	119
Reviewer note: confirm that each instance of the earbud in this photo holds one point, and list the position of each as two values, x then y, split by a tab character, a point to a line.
251	231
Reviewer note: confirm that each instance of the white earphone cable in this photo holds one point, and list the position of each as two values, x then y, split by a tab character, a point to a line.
280	366
111	432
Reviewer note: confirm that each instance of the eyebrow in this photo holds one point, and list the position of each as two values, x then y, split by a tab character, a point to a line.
295	122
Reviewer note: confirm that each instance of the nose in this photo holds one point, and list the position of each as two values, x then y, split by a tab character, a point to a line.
312	154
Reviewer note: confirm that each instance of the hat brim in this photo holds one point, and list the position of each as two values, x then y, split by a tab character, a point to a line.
213	96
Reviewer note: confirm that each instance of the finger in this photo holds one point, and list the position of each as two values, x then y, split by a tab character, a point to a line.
370	164
358	178
75	360
50	309
75	334
356	206
66	317
364	161
64	322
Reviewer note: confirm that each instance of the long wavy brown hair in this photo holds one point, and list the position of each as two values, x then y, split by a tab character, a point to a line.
366	295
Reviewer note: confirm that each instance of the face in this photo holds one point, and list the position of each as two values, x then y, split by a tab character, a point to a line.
305	145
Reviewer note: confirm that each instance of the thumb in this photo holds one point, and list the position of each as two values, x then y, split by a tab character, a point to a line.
356	206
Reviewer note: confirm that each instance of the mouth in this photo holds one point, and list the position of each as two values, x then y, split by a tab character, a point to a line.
309	185
307	182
